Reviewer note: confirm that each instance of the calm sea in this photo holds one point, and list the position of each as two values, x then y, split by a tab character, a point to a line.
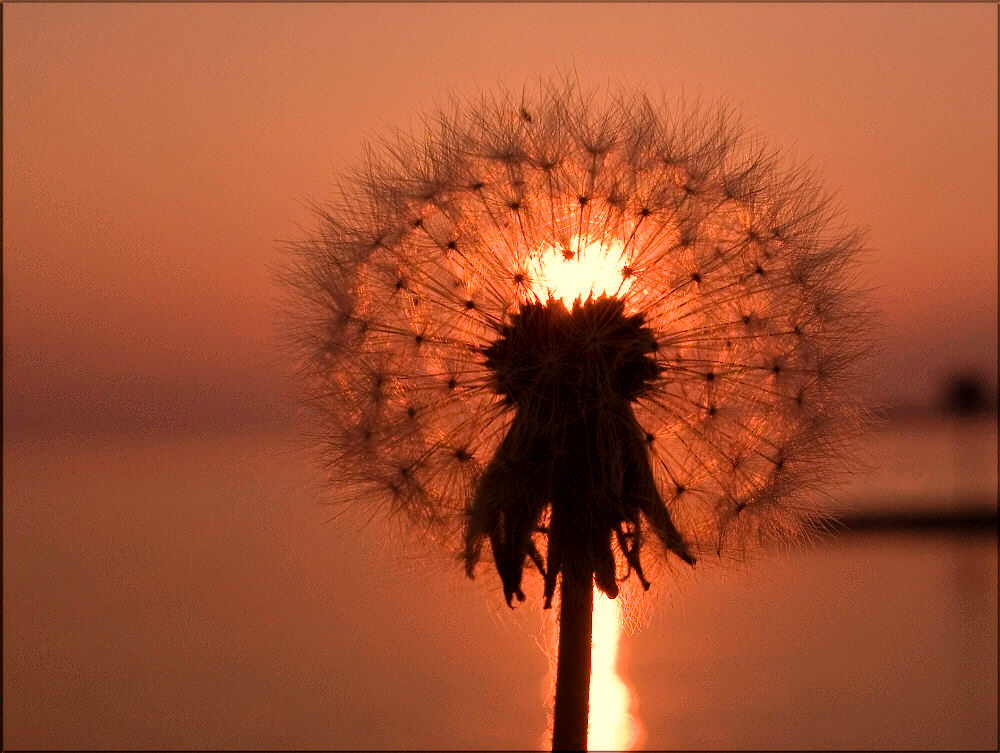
172	593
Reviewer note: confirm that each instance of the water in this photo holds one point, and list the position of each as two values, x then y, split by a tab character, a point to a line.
169	593
863	645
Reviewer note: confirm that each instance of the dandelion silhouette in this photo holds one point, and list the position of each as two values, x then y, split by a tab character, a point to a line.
586	333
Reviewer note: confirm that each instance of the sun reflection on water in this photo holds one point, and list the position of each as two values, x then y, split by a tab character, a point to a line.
612	725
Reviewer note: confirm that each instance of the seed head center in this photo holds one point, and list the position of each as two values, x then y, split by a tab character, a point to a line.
552	358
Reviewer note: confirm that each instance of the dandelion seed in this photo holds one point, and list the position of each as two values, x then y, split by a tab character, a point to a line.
581	336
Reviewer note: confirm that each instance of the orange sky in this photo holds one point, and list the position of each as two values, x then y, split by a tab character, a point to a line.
154	157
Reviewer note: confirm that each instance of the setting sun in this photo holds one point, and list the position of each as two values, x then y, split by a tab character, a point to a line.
584	269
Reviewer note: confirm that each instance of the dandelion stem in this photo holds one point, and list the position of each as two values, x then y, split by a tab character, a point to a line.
576	621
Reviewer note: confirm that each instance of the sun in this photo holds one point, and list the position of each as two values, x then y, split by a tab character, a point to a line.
583	269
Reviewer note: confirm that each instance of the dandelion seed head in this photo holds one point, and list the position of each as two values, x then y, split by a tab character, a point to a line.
565	332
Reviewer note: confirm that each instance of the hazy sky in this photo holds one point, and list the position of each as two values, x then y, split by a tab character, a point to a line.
155	156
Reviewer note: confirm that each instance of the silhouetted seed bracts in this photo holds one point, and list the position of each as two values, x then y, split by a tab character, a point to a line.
695	397
571	377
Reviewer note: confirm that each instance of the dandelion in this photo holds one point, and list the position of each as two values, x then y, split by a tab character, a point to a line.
580	335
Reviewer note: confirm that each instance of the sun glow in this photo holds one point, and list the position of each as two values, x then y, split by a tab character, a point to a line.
584	269
612	726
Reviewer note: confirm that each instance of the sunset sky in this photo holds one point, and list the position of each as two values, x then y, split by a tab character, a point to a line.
157	156
170	576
